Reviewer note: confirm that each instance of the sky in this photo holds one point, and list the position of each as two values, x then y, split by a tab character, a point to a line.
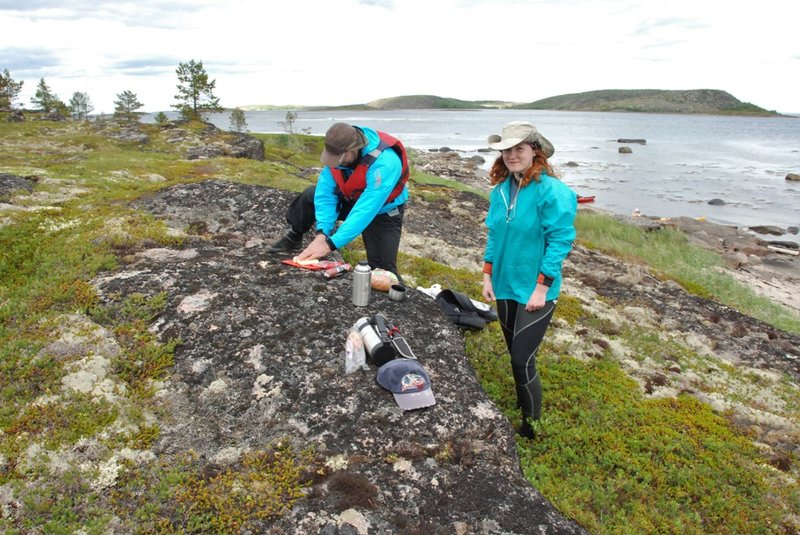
336	52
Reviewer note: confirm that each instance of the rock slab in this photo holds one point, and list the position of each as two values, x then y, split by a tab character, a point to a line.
262	361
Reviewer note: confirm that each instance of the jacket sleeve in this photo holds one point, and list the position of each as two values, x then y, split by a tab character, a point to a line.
382	177
558	221
488	253
326	202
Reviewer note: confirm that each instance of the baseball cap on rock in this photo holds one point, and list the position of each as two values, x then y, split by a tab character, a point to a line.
515	133
408	381
340	138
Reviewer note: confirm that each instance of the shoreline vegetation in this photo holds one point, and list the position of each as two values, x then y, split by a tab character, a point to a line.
693	101
651	426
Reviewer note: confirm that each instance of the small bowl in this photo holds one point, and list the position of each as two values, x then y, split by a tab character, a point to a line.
397	292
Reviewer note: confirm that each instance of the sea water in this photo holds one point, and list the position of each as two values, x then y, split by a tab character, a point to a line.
686	161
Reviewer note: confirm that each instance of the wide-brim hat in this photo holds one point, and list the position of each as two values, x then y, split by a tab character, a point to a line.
408	381
340	138
517	132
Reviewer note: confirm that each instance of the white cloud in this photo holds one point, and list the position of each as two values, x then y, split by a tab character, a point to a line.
350	51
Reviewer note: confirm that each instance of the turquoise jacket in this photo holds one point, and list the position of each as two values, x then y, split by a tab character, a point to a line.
528	236
382	177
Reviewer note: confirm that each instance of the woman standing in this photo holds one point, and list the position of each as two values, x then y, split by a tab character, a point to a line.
531	229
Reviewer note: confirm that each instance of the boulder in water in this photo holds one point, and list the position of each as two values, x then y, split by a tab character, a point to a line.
767	229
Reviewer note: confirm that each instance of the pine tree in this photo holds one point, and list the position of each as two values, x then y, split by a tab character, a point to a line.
238	120
195	91
288	123
80	106
44	99
161	119
9	90
126	105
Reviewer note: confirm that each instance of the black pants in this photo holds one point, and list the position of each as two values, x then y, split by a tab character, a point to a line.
381	237
524	332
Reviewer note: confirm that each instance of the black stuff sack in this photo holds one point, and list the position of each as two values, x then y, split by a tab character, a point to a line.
382	340
462	311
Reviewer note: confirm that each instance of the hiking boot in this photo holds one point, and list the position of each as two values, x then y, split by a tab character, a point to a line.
526	430
290	242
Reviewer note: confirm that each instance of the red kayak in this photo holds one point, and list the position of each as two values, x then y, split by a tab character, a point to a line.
584	199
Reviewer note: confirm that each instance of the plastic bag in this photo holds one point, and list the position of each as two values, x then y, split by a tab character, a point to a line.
355	356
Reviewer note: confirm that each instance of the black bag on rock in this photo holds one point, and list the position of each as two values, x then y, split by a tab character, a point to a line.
383	340
462	311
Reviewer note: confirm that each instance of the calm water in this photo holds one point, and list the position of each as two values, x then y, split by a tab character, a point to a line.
686	161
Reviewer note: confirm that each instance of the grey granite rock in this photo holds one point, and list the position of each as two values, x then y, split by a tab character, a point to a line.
262	360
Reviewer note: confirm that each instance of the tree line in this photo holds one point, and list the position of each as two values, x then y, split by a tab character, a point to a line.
194	98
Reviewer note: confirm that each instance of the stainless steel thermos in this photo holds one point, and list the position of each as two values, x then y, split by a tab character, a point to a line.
362	275
380	350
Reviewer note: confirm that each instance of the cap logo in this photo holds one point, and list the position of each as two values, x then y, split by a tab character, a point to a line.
412	381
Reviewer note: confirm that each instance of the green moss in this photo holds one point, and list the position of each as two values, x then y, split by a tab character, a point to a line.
426	272
188	496
65	422
648	343
24	378
51	426
63	507
569	309
296	149
418	179
618	463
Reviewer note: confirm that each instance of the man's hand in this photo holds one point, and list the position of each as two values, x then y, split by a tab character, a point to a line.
318	248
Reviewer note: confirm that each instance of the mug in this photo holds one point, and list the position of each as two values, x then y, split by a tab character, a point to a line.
397	292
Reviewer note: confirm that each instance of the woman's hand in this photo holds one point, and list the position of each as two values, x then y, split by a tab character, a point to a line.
537	298
488	291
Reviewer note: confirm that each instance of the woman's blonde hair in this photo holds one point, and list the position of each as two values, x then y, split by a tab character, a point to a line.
500	172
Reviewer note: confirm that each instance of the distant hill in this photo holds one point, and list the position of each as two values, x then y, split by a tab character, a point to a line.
431	102
711	101
419	102
705	101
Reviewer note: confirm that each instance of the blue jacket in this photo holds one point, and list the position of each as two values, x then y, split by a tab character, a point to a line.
382	177
532	235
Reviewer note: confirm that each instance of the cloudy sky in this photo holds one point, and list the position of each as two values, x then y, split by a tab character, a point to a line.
315	52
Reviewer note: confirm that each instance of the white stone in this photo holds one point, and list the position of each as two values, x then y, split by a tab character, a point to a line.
161	254
107	474
402	465
254	357
337	462
355	519
484	410
229	455
216	387
197	302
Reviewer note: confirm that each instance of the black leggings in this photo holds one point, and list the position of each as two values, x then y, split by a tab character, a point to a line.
524	332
